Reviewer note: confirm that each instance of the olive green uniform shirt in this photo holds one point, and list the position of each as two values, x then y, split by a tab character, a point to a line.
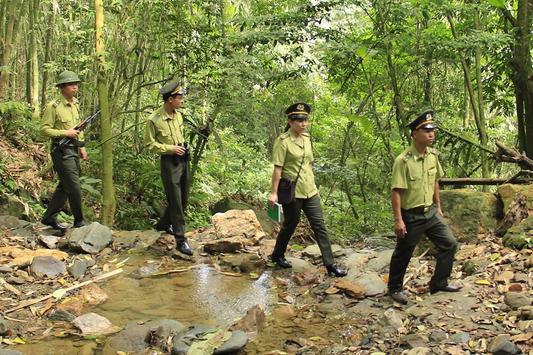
60	116
164	132
415	176
287	153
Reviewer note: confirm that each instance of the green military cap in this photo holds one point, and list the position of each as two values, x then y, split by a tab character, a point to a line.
172	88
66	77
424	119
298	111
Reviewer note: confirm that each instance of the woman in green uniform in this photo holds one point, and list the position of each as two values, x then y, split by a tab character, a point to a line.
292	156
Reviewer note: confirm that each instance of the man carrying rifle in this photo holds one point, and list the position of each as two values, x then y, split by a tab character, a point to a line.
60	118
165	136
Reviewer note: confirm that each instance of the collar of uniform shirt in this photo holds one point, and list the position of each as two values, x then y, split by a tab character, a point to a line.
67	103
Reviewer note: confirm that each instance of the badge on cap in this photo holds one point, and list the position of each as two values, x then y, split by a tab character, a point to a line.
300	107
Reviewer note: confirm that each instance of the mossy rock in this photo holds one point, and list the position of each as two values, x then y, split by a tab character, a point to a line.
521	235
469	212
12	206
508	194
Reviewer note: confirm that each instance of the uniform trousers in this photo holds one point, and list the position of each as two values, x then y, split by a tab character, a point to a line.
440	235
313	212
67	165
175	178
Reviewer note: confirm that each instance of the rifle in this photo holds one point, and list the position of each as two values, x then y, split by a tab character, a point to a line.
63	142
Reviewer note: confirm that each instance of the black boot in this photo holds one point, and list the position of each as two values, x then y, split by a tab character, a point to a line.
52	222
336	271
183	246
167	229
281	261
79	224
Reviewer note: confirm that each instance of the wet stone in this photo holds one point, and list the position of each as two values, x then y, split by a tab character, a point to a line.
392	319
61	315
460	338
526	312
502	345
144	271
3	326
77	269
236	342
161	330
92	238
48	266
516	300
93	324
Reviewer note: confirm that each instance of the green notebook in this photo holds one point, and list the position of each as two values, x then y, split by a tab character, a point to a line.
274	213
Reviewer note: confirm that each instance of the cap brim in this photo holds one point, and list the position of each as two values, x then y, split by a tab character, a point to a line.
298	117
428	126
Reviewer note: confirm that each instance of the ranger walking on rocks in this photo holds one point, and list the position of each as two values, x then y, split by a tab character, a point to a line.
416	207
59	120
165	135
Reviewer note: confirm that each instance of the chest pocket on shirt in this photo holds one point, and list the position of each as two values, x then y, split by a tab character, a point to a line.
432	172
414	174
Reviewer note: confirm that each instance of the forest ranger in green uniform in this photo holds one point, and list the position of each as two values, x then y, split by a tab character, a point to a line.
292	154
164	135
416	207
59	119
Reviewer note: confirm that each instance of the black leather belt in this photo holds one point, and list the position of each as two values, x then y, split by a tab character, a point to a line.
419	210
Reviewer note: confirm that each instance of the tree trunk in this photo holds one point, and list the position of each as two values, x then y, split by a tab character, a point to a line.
34	61
108	199
482	129
7	43
47	51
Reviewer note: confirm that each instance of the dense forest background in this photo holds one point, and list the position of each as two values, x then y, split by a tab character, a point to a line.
364	66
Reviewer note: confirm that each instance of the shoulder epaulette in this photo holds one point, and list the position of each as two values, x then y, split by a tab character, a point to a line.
406	156
306	134
55	103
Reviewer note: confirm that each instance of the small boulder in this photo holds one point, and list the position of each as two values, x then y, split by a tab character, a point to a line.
521	235
460	338
60	315
94	295
313	251
238	223
392	319
77	268
516	300
50	241
48	266
502	345
94	324
91	238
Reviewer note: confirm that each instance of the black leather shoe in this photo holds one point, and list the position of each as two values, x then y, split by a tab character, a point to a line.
336	271
399	297
79	224
167	229
184	247
53	223
447	288
281	261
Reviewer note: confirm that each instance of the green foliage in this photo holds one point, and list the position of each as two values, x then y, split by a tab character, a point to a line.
16	122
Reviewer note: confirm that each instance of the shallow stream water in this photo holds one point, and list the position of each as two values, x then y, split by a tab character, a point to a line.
201	295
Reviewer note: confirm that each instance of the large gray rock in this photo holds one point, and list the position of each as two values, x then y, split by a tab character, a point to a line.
91	238
469	212
48	266
372	283
244	263
508	193
381	262
77	268
3	326
11	222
